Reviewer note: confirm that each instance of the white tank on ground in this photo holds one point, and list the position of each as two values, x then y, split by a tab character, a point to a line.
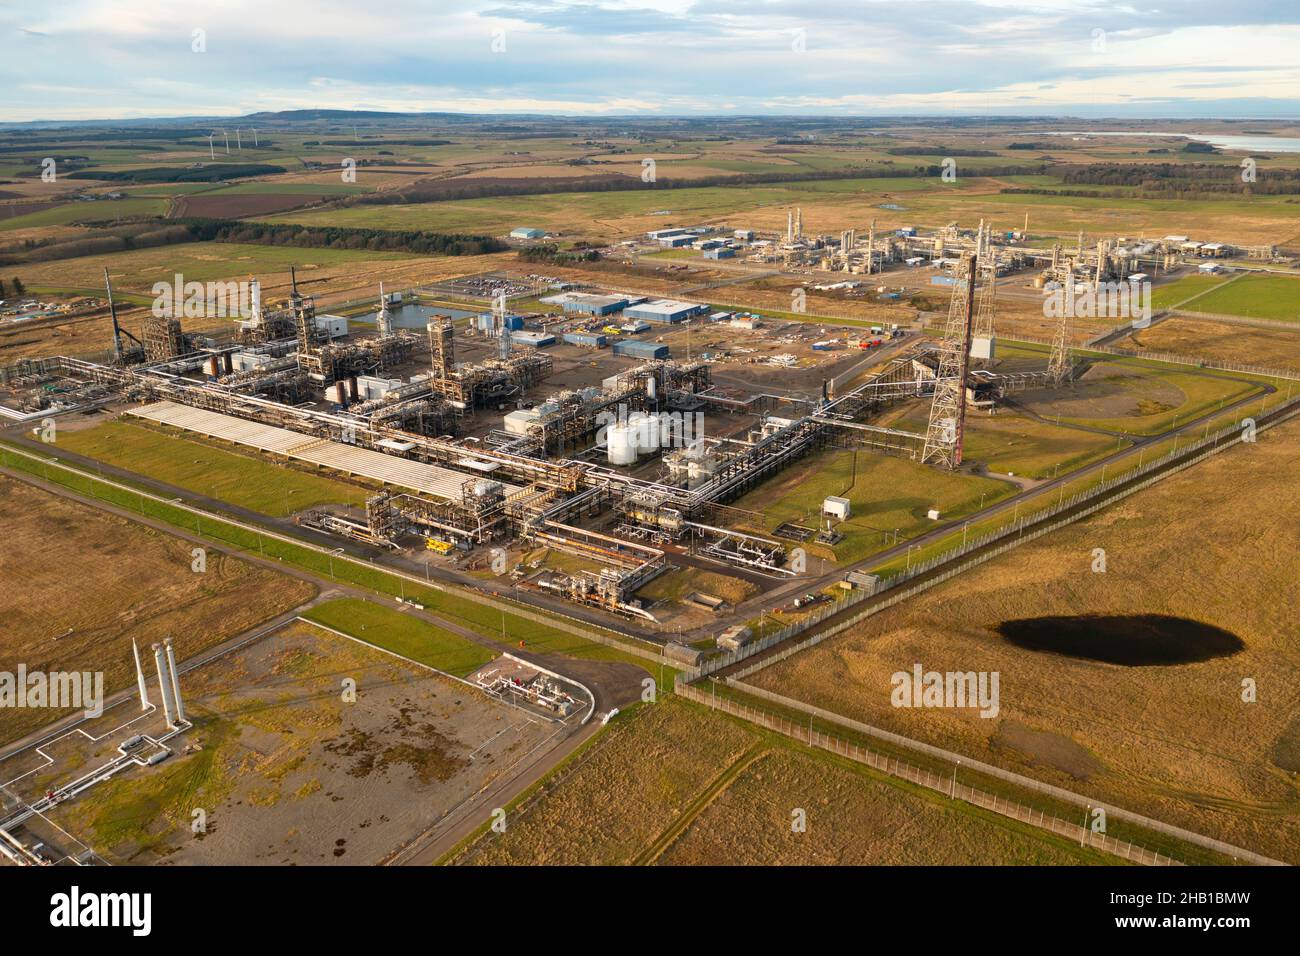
646	428
621	445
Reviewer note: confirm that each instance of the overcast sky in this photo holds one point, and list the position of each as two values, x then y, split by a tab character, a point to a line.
81	59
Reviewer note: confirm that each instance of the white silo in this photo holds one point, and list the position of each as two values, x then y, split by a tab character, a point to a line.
621	445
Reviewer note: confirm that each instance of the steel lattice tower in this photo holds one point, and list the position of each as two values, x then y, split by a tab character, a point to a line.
943	437
1059	365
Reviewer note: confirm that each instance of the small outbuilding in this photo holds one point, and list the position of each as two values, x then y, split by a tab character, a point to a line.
836	507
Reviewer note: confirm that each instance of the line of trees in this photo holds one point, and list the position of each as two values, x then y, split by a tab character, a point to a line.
551	254
207	173
937	151
341	237
145	233
1183	179
449	189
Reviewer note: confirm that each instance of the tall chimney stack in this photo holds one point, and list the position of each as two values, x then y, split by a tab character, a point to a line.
176	684
162	684
139	676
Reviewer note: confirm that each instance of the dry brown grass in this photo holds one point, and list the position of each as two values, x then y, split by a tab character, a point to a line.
80	584
618	797
1221	342
1216	544
853	819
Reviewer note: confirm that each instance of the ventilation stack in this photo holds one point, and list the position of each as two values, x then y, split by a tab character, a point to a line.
255	302
383	321
176	684
162	684
139	676
112	311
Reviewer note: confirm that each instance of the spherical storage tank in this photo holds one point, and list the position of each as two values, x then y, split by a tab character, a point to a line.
621	445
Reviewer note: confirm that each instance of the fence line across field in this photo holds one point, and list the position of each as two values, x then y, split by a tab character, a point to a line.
940	783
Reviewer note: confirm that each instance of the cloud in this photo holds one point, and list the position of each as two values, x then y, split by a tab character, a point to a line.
598	57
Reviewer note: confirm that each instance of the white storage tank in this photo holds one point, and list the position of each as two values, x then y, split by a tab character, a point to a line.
621	445
645	431
654	436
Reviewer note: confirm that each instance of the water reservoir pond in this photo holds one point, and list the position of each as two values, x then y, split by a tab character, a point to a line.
1133	640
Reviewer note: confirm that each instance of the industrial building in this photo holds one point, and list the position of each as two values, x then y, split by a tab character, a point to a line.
537	340
592	340
586	303
527	232
632	348
664	311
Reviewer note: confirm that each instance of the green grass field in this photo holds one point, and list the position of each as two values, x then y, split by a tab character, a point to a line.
1181	290
1201	393
259	484
88	212
1017	444
888	494
402	634
1255	297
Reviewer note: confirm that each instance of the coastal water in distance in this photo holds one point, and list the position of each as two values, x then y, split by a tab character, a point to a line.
1243	144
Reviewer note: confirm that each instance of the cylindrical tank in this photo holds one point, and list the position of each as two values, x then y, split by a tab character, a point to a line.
646	429
621	445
